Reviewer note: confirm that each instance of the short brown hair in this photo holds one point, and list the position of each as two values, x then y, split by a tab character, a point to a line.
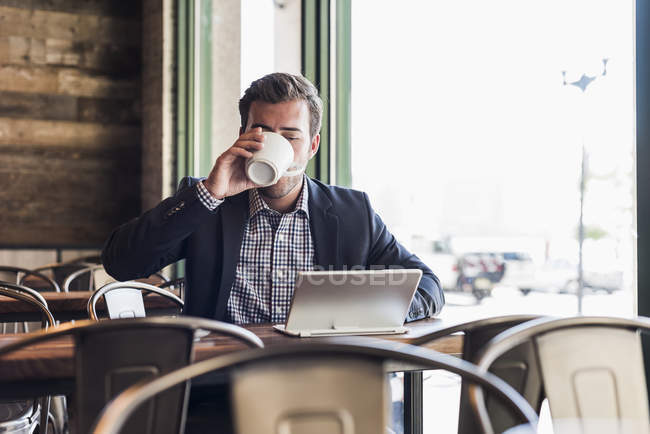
280	87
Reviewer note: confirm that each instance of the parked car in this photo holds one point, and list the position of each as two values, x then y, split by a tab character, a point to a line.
438	256
479	272
561	276
520	271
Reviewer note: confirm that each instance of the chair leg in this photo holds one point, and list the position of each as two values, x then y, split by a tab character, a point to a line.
45	412
59	411
413	409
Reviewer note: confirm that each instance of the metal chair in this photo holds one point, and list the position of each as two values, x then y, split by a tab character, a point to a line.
518	367
97	277
84	261
59	271
124	299
89	273
112	355
27	415
327	387
18	275
88	259
28	292
178	284
592	371
29	296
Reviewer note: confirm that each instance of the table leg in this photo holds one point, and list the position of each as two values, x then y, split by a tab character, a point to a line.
413	409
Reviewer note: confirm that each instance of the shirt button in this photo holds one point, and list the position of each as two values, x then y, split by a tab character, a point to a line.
280	274
280	237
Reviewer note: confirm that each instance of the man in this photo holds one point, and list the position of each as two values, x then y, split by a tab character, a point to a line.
243	245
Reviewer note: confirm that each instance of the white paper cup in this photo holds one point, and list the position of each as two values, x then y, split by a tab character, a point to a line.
272	162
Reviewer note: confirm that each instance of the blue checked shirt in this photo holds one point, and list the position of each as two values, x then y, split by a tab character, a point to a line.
274	247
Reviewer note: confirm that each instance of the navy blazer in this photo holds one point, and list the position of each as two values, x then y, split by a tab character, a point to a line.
345	230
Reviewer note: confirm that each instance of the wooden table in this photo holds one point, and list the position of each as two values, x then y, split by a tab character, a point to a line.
71	305
48	368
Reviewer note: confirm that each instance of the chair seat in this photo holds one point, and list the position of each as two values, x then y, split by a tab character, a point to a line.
12	411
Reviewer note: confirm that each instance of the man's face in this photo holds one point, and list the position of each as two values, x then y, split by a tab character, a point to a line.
291	119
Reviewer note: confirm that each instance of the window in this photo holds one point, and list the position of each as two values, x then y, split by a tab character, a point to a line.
468	126
471	123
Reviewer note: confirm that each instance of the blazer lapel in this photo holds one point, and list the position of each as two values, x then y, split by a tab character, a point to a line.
234	213
324	228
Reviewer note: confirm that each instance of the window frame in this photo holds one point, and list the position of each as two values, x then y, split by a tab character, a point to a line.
193	112
193	72
326	62
642	38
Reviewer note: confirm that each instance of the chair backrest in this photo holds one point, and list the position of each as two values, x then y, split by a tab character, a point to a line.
178	284
592	370
311	387
88	259
112	355
124	299
29	296
61	270
517	367
19	275
157	279
96	275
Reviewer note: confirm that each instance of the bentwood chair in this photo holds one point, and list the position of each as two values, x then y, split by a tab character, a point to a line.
517	367
326	387
20	276
26	415
124	299
592	371
112	355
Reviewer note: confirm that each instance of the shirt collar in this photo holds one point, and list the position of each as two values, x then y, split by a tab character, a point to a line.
257	204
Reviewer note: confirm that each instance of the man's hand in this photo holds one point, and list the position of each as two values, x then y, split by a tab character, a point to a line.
228	175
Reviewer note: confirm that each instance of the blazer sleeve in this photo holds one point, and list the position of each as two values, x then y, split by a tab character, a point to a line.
386	250
157	238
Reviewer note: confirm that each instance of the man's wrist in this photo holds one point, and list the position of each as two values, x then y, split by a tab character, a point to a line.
211	189
206	197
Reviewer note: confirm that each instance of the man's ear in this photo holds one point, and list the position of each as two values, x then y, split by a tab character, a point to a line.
315	143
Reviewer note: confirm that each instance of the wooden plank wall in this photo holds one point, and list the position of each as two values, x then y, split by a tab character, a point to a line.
70	120
158	93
